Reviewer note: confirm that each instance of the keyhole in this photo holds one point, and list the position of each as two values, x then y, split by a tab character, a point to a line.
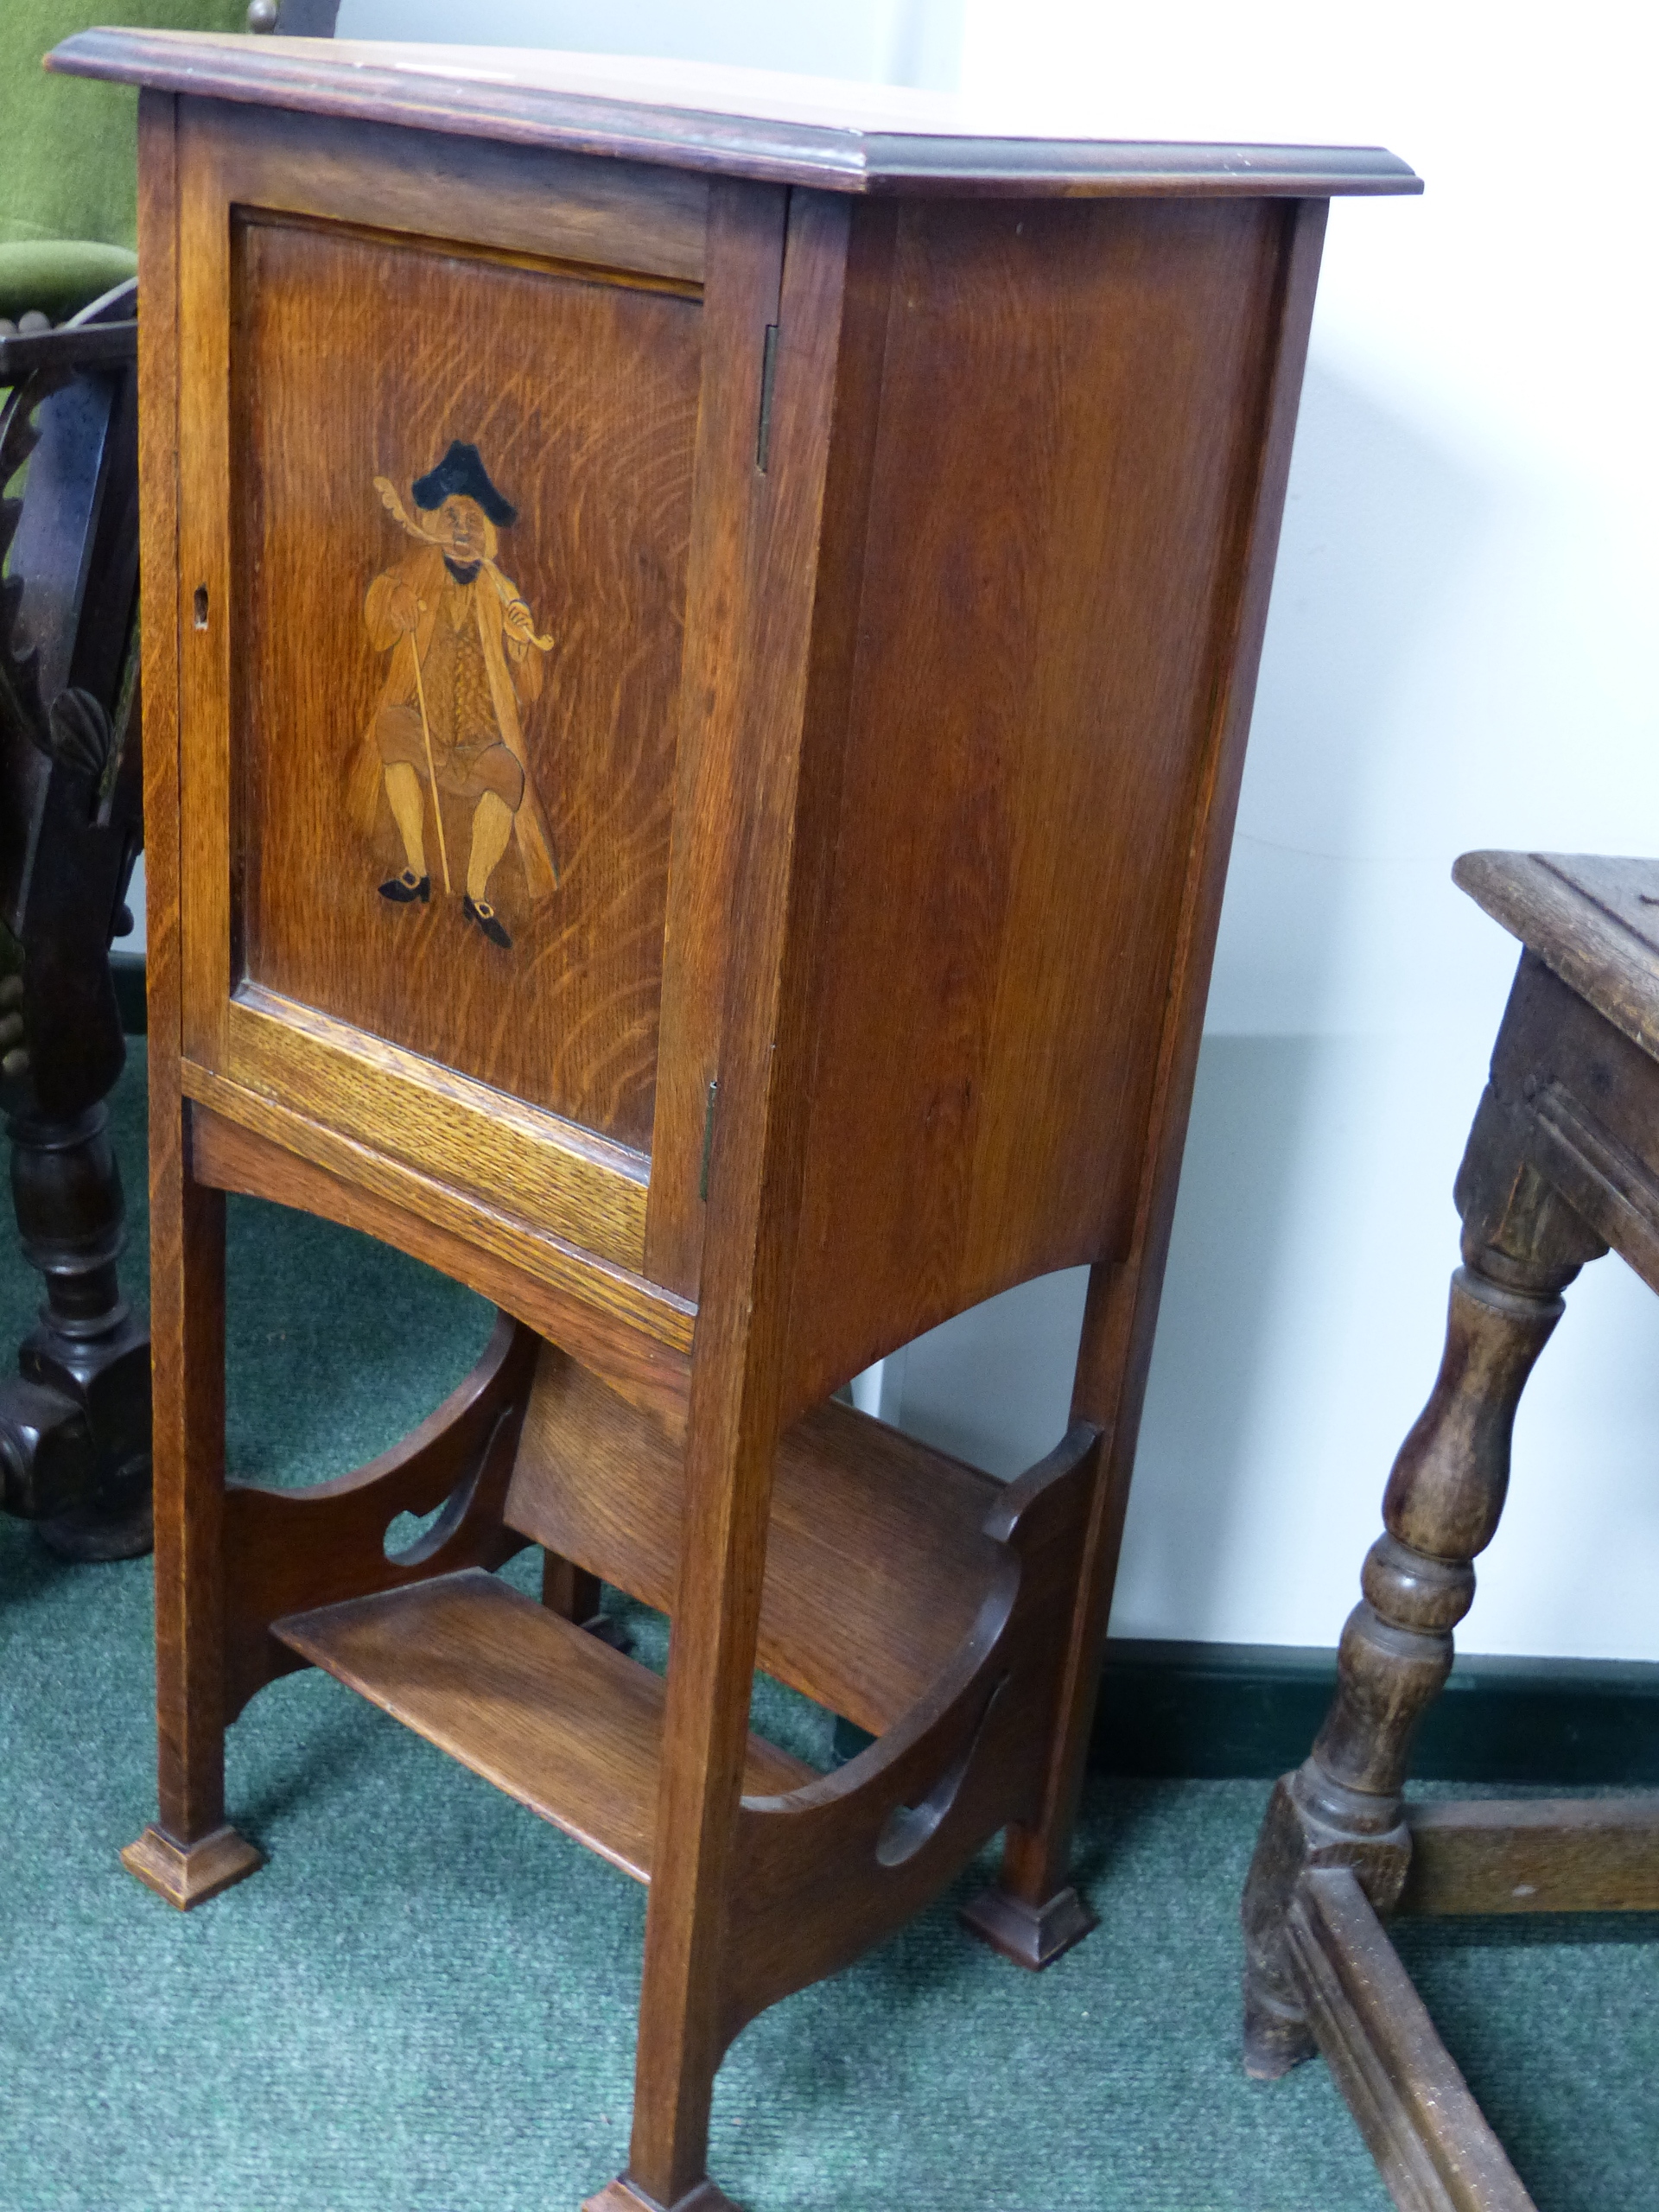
201	607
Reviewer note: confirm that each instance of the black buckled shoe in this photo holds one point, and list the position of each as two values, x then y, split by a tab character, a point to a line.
485	915
402	889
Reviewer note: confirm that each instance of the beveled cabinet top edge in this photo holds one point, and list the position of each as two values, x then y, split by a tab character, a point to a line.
737	121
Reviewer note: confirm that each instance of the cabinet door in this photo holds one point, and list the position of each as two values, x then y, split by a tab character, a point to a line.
459	486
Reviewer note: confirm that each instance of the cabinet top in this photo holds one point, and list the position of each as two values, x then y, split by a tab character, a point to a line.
872	138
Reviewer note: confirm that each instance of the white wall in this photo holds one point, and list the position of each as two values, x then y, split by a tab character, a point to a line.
894	42
1460	652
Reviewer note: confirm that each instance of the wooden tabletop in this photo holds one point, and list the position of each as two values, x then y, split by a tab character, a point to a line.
1592	917
872	138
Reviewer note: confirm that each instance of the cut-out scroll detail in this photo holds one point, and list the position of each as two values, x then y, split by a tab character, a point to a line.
907	1828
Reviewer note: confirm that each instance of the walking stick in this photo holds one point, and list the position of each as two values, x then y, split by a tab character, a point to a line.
432	773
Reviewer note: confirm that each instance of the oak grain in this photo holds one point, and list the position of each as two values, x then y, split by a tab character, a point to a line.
731	122
898	552
548	1713
875	1560
582	399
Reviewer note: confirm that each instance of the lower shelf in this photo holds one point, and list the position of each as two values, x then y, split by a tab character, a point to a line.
877	1559
548	1713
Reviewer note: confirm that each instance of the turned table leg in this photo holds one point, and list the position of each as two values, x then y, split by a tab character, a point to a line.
1521	1246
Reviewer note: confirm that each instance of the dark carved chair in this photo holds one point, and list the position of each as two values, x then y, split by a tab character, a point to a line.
74	1423
295	18
1562	1165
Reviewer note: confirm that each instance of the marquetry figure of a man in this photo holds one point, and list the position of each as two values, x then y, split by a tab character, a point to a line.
465	659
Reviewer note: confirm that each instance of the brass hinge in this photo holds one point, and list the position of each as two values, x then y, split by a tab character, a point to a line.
768	376
708	1137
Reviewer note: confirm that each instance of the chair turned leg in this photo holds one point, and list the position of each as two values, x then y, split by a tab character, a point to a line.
86	1466
1521	1246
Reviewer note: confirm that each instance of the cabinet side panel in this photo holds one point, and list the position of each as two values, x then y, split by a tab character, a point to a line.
1072	408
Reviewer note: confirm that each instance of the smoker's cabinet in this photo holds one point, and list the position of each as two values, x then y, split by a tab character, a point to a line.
698	651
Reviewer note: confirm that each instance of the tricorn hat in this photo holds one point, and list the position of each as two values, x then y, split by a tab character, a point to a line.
461	472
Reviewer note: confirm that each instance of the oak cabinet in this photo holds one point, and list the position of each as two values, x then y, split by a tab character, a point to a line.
698	647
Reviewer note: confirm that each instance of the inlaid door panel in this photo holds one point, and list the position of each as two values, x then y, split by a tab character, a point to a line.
439	492
468	519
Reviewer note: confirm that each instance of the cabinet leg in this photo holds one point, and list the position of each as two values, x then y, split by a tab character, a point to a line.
625	2196
683	2027
573	1594
1033	1933
681	2043
567	1590
1521	1246
188	1853
1034	1915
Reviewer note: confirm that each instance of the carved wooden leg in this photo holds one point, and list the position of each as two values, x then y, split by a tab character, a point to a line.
188	1853
1521	1246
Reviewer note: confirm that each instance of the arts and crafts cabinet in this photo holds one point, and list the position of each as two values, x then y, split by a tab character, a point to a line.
699	649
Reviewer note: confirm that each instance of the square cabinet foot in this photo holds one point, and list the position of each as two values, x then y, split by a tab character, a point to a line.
191	1873
622	2195
1032	1936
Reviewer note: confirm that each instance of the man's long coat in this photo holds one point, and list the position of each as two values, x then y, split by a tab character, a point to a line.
424	573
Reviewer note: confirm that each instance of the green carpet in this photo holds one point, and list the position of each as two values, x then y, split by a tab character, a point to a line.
425	2003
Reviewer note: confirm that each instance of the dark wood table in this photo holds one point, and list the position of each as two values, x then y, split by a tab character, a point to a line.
1562	1166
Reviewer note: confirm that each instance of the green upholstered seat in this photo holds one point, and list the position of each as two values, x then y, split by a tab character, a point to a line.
68	190
59	276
